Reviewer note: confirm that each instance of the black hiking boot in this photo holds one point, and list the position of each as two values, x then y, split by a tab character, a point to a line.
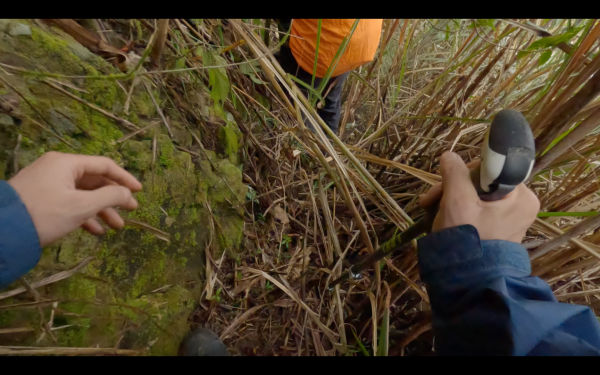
202	342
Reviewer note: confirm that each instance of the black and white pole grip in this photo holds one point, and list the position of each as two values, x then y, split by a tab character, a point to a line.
507	156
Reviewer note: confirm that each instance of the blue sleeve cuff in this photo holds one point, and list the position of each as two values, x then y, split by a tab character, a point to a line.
457	255
20	247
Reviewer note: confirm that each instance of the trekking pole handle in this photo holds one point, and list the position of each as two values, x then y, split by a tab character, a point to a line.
507	156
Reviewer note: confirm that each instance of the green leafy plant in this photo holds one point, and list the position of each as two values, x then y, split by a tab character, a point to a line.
249	70
217	77
229	139
285	240
362	348
251	194
216	297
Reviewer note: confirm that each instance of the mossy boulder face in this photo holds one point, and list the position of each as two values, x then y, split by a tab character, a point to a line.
138	290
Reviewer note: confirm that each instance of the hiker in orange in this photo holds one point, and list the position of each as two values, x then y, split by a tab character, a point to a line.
298	58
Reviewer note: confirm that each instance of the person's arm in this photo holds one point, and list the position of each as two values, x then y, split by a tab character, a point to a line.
483	299
19	245
53	196
485	302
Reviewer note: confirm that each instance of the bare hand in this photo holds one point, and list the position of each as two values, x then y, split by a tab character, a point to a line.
506	219
64	191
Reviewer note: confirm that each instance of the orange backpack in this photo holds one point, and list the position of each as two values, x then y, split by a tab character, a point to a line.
360	50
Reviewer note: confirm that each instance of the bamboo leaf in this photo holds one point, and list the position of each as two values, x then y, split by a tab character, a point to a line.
384	332
373	320
558	139
554	40
337	57
312	82
360	344
482	23
567	214
544	57
522	54
310	89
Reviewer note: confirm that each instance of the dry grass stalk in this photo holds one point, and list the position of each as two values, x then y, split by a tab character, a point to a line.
156	232
159	43
119	120
33	351
49	280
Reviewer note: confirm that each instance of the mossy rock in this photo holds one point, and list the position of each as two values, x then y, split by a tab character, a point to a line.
138	155
138	290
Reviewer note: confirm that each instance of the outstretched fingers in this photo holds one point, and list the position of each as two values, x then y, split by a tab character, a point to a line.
94	201
85	165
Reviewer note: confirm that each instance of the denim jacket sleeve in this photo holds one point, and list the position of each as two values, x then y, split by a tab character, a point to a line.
20	247
485	302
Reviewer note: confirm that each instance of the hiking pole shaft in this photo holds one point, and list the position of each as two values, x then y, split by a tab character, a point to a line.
395	244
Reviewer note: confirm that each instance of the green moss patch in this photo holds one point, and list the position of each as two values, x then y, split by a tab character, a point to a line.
139	290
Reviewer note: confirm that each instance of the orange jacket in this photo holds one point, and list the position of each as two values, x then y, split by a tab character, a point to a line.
360	50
